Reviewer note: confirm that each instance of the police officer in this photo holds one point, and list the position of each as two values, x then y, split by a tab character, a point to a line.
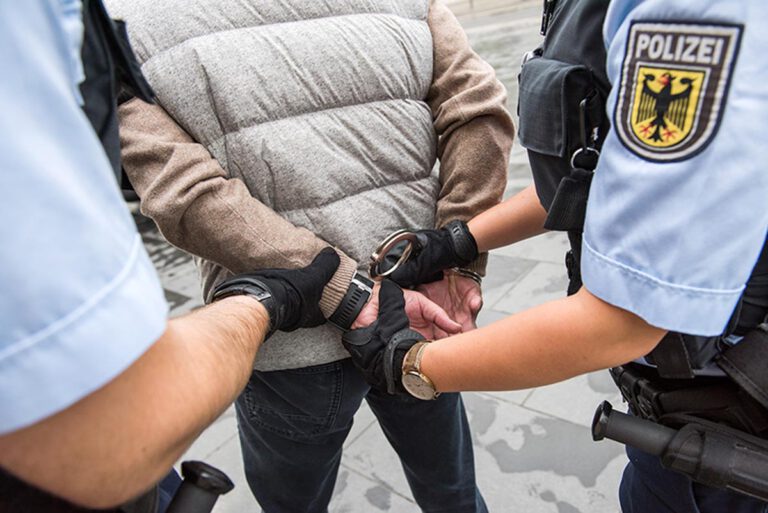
676	219
100	393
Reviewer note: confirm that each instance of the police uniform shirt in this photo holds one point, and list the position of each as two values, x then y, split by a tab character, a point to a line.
678	208
80	299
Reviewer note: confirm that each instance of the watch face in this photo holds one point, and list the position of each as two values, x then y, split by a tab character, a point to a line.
417	387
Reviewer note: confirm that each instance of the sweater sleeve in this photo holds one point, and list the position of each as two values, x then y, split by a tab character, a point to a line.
474	128
198	208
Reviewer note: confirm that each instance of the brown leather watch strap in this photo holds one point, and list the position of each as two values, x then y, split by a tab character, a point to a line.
412	359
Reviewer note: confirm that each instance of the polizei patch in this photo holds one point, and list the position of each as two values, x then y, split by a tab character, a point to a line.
674	83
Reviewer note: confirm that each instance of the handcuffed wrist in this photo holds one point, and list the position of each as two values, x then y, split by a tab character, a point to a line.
478	265
467	273
358	293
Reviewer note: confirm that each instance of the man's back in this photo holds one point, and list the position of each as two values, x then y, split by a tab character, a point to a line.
319	108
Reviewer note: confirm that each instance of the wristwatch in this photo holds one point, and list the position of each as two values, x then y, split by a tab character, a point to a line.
249	286
416	383
358	294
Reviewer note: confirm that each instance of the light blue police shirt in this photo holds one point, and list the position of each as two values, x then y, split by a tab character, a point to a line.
676	219
80	300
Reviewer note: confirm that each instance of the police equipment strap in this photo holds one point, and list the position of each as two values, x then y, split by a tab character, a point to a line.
671	357
569	206
745	363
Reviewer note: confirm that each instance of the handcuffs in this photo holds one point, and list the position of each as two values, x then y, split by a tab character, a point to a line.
403	242
377	269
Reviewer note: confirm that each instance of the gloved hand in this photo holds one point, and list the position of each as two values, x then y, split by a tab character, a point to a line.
295	293
435	250
378	350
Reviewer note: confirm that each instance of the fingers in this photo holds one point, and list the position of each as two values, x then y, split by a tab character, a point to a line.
436	333
391	307
470	293
475	304
436	315
324	265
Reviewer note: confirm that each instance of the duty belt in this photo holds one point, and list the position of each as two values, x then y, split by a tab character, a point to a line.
667	401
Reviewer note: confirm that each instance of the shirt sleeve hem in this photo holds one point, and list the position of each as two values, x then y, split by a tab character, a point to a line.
670	306
69	363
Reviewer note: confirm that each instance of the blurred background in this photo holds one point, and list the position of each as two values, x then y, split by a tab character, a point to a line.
533	448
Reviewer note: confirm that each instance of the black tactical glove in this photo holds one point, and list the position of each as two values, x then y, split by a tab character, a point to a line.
379	349
291	296
435	250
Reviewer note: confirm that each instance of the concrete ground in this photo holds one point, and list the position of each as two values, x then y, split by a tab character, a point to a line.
533	448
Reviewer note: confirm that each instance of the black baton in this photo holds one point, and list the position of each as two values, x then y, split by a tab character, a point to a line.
200	489
714	455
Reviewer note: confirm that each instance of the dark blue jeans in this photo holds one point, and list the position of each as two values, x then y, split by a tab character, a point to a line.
647	487
168	488
293	424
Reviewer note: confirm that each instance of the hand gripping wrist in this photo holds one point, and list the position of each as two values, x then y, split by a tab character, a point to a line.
358	294
394	354
464	244
258	289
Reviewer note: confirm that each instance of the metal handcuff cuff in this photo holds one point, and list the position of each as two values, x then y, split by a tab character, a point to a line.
378	270
402	241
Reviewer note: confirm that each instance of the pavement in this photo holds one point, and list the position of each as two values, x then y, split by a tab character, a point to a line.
533	448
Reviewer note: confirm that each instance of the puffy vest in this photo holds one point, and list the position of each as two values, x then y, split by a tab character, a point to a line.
318	107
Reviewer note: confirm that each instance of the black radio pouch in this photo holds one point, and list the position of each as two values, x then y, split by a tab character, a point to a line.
561	104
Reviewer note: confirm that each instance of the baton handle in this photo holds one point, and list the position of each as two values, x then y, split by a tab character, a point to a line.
645	435
200	489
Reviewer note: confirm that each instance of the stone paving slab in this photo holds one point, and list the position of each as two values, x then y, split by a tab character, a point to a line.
533	462
545	282
549	247
575	400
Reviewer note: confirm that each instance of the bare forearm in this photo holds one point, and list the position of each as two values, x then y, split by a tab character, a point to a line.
543	345
122	438
516	219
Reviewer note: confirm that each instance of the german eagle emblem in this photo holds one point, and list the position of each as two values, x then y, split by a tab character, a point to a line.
674	80
666	110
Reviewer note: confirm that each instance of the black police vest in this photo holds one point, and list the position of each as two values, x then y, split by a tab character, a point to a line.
112	75
563	92
110	69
